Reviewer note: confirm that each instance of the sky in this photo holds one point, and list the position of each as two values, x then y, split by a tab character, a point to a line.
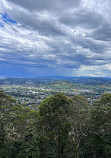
55	38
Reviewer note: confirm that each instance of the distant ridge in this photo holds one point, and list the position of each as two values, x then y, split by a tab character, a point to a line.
59	77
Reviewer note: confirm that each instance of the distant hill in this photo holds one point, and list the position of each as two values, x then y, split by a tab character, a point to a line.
83	80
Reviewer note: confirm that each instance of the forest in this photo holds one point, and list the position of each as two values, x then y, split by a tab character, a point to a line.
61	127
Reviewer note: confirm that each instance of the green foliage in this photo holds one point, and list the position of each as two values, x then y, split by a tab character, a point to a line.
14	121
5	99
54	125
98	138
106	99
63	127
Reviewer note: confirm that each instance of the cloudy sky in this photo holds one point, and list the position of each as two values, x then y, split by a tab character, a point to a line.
55	38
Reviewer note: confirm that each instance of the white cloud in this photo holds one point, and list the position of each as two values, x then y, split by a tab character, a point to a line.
70	38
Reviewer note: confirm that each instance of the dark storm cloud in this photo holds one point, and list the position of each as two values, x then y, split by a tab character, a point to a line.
103	32
47	4
82	18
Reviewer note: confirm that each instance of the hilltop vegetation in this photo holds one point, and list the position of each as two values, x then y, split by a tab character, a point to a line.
62	127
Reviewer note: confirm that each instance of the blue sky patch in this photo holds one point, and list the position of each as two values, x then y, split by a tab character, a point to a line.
7	19
1	25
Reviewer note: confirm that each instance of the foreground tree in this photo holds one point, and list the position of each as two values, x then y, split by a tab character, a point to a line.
14	122
79	116
98	138
54	127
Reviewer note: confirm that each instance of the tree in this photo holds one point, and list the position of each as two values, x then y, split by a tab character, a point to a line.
98	139
15	120
79	116
54	126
